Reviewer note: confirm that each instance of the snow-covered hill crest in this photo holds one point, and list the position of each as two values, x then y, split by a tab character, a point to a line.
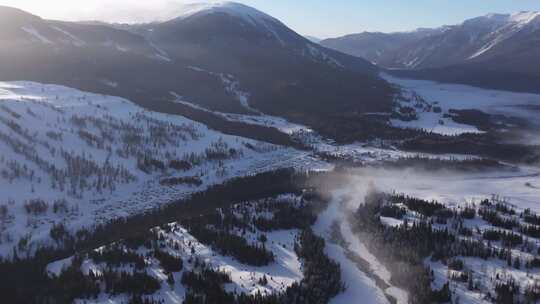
235	9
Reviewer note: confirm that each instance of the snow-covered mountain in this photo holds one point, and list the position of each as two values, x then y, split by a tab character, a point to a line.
494	51
198	55
269	60
477	39
243	12
377	46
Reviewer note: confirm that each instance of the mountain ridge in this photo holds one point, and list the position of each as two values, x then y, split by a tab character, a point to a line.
480	51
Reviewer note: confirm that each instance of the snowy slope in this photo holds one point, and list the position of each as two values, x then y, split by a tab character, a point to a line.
245	279
177	241
509	25
78	158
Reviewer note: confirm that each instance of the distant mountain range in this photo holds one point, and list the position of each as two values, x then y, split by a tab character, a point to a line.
496	50
375	46
225	57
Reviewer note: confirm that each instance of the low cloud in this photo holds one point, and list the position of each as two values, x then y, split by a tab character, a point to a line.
121	11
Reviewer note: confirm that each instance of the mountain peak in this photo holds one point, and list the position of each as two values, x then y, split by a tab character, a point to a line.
524	17
236	20
234	9
489	20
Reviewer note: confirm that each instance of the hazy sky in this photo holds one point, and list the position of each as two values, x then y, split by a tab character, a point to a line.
321	18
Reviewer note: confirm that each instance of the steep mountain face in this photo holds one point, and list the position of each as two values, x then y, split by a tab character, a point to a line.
272	63
475	40
494	51
377	47
225	57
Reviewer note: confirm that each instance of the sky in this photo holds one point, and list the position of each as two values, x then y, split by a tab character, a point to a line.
319	18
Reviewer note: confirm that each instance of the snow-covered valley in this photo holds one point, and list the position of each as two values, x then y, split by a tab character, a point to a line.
443	97
74	159
211	154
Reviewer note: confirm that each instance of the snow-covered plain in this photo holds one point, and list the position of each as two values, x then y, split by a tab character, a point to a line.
517	187
82	158
461	97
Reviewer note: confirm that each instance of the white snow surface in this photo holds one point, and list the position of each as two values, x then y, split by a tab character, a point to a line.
44	126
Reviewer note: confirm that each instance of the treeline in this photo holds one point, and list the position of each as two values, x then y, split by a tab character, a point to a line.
322	276
403	249
287	217
72	284
418	205
230	244
472	144
225	229
435	164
